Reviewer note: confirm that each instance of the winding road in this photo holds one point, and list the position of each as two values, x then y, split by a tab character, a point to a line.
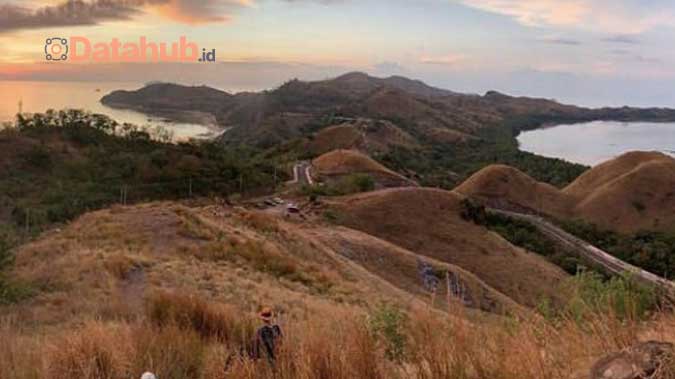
610	263
613	265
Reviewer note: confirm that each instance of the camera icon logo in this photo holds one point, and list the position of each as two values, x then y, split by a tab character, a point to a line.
56	49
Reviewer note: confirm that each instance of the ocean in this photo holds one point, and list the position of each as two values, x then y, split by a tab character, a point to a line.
37	97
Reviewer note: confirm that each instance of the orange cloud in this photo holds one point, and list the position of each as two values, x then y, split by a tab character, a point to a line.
199	11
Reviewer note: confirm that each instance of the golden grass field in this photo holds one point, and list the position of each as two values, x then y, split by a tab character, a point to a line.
174	288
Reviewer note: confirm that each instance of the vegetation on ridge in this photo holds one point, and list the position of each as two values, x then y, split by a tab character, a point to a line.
58	165
652	251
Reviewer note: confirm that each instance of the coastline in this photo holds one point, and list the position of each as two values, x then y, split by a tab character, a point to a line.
205	119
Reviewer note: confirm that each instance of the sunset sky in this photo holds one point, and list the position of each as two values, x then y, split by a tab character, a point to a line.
594	52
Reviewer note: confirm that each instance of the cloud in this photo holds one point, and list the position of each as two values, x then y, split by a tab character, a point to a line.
535	12
625	39
389	68
612	16
200	11
627	55
560	41
92	12
69	13
446	60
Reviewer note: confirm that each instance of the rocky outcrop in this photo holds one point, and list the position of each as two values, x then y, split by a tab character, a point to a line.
651	359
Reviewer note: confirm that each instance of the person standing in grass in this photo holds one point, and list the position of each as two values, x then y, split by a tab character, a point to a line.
268	337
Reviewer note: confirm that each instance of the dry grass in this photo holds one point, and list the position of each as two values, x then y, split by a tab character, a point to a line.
190	318
120	265
630	193
340	163
191	312
184	337
428	222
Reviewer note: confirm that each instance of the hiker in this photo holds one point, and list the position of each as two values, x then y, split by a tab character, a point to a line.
267	337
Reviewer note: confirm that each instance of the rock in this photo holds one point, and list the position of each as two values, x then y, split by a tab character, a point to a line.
637	362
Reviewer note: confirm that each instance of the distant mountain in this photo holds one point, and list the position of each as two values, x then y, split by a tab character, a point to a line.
169	96
299	108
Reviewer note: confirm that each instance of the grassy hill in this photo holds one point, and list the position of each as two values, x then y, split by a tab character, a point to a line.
338	164
429	222
624	206
391	283
628	194
369	136
105	263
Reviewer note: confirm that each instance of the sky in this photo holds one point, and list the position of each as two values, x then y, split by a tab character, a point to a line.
586	52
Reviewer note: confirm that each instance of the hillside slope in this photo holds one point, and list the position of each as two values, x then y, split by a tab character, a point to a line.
428	222
105	263
633	192
365	135
260	118
505	187
340	163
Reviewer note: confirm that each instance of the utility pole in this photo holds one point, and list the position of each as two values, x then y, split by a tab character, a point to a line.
28	221
123	194
275	176
448	289
20	106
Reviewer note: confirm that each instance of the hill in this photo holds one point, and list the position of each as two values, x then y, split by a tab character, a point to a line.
106	264
55	166
505	187
181	103
628	194
174	288
429	222
369	136
631	193
437	136
411	104
340	163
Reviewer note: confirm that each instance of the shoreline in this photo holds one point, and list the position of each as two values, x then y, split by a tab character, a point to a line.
173	116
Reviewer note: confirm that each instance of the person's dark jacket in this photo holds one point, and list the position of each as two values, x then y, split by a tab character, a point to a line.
266	342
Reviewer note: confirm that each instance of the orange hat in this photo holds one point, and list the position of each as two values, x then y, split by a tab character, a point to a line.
266	314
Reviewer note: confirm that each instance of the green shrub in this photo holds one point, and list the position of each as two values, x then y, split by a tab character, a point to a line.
362	182
347	185
527	236
91	160
623	296
651	251
388	323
